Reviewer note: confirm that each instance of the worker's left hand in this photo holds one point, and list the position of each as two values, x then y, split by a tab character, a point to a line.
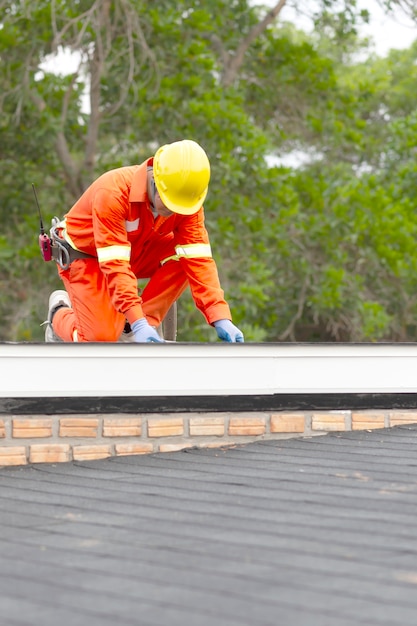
227	331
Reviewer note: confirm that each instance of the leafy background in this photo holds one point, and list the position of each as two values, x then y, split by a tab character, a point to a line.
314	249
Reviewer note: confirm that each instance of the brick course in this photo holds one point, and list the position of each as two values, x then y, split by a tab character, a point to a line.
84	438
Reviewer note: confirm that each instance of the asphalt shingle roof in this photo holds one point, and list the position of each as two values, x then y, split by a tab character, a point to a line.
299	532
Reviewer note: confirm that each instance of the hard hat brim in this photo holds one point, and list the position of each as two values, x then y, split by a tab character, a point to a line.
180	208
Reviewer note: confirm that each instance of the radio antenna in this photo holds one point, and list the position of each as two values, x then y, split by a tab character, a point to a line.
39	210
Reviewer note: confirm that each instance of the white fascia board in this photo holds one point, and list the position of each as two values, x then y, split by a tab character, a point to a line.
180	369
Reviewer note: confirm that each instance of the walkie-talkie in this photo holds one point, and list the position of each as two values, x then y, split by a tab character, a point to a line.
45	242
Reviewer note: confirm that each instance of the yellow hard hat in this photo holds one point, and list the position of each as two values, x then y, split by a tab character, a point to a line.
182	172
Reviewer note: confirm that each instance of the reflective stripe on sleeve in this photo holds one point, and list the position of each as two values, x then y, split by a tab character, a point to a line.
194	251
113	253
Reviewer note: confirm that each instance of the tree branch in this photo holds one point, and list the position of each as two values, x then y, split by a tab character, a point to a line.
235	61
70	173
289	331
96	71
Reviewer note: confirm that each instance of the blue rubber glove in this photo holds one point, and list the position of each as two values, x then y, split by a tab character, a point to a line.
144	332
227	331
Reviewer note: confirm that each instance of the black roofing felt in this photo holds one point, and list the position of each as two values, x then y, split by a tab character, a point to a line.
188	404
299	532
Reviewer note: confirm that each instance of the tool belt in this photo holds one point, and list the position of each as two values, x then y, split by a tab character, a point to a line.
62	252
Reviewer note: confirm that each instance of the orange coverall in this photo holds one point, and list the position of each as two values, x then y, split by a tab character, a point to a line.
113	222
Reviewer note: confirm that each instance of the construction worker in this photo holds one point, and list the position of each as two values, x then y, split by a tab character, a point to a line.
140	221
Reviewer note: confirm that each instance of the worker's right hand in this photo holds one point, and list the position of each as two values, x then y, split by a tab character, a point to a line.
144	332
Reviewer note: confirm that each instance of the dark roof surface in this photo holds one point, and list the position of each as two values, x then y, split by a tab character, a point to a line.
299	532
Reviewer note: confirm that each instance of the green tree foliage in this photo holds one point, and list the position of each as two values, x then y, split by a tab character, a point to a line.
318	251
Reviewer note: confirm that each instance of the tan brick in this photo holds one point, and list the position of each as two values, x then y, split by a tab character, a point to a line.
88	453
171	427
247	426
367	421
174	447
126	427
398	418
328	421
13	455
78	427
53	453
125	449
31	428
208	426
287	423
2	429
216	444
